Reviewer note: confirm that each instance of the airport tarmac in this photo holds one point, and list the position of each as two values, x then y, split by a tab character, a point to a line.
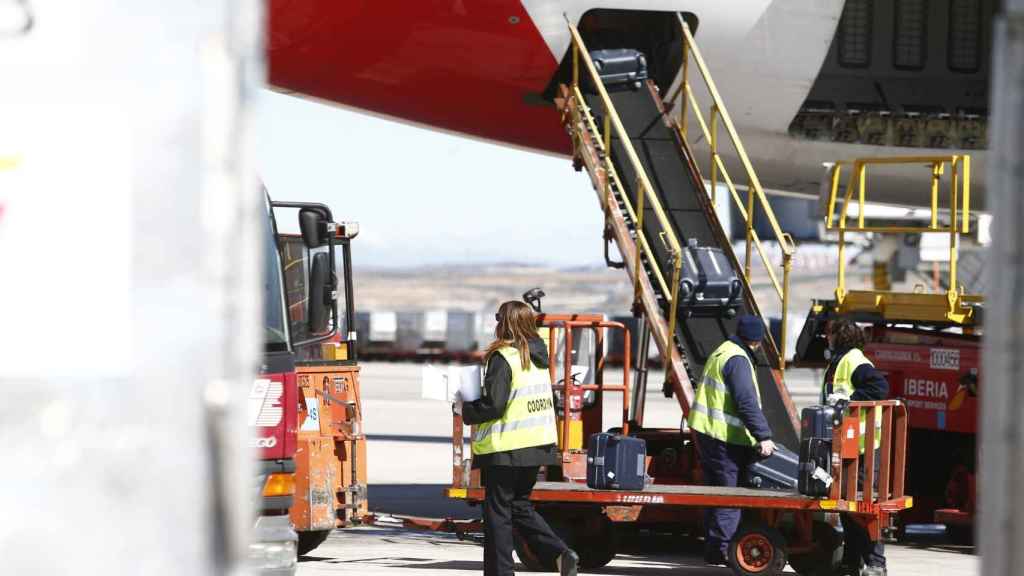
409	458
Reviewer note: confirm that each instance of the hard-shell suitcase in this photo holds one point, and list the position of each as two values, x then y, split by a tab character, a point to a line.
776	472
620	66
819	421
616	462
708	281
815	477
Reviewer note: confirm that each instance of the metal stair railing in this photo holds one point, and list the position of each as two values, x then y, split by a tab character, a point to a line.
718	114
955	305
646	195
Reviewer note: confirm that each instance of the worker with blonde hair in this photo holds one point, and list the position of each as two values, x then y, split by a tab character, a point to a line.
515	436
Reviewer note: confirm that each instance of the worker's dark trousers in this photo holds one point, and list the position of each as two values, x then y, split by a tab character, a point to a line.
723	465
507	505
857	545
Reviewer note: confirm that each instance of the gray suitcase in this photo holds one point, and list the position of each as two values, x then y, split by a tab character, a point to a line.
709	285
776	472
621	66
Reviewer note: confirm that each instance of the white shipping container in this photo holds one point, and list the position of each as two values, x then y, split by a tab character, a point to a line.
435	326
383	326
486	327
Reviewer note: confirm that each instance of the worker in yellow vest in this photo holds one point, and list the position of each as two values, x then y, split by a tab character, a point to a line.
851	376
515	436
730	427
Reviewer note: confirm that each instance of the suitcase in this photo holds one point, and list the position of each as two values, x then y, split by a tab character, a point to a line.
819	421
776	472
708	281
620	67
616	462
815	473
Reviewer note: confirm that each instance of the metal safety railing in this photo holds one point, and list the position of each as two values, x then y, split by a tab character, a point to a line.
646	196
958	209
687	101
892	457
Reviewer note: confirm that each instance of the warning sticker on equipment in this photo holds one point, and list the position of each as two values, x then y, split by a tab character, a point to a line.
945	359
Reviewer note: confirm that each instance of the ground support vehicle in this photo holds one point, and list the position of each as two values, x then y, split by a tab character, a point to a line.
330	455
779	527
273	398
927	343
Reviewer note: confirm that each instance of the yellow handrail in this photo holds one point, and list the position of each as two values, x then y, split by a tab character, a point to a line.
719	115
959	208
645	192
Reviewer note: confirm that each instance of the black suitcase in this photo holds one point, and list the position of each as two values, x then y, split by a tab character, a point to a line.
616	462
621	66
776	472
815	477
819	421
708	281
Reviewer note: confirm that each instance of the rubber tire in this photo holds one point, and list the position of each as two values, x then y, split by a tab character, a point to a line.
771	543
308	541
823	560
960	535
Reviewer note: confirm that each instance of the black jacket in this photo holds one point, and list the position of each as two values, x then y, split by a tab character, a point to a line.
740	381
868	382
491	406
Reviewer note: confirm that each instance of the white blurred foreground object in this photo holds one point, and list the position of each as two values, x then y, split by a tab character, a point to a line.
444	383
1001	530
129	306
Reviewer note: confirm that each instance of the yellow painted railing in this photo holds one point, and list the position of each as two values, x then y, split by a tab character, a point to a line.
646	198
958	209
686	100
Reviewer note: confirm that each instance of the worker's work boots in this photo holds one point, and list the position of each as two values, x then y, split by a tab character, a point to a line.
873	571
567	562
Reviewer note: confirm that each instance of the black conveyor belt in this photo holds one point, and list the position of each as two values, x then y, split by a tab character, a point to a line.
681	192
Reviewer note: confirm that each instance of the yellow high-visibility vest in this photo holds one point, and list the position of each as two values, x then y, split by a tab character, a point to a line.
842	383
713	412
529	418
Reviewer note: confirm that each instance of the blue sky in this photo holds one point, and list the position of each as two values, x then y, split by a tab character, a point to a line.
423	197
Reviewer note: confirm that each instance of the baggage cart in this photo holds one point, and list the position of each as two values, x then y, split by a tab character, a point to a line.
779	527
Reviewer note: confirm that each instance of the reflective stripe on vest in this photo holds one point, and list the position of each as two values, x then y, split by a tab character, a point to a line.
842	383
713	412
529	418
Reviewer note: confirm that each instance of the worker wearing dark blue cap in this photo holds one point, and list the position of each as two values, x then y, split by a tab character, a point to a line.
730	427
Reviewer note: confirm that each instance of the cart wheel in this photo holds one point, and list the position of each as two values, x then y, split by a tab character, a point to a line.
961	535
825	557
308	541
757	550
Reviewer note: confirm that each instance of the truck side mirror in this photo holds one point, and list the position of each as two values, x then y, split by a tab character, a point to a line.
321	293
313	226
